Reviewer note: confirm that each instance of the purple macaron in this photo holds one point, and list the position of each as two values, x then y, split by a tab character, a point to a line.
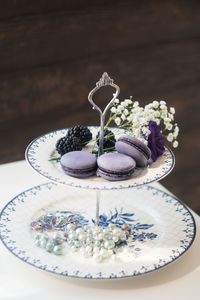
79	164
115	166
134	148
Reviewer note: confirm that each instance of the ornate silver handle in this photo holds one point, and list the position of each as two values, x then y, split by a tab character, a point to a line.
104	80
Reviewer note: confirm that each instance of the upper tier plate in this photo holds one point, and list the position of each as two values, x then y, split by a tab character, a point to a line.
43	148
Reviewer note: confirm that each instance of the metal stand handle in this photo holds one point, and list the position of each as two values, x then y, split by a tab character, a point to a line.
104	80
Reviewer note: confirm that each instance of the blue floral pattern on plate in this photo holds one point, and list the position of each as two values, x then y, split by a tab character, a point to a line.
163	228
42	149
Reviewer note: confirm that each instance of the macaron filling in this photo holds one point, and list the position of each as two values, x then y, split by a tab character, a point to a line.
118	173
78	171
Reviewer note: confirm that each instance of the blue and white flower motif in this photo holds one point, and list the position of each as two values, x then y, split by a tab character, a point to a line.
136	231
116	218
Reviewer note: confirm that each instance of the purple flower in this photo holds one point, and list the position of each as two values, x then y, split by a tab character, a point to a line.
155	141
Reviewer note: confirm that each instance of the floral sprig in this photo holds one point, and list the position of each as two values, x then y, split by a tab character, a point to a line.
138	120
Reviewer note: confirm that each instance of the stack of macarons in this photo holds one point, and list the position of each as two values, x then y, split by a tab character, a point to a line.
113	166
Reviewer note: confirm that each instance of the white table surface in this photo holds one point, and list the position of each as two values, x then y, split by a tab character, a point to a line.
18	280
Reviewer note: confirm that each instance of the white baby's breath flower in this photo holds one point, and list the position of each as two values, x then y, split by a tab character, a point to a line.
175	144
163	107
113	110
123	117
135	118
155	104
157	121
142	120
175	134
172	110
120	108
135	104
117	121
148	118
146	131
163	114
148	106
126	111
157	114
168	126
116	100
128	101
176	131
129	118
170	137
137	132
167	120
124	104
171	116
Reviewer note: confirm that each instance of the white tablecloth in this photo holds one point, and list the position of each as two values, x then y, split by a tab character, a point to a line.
18	280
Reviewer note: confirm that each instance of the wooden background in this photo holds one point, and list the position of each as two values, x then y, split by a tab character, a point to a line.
53	52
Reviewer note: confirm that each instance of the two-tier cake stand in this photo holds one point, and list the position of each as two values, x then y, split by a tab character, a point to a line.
163	227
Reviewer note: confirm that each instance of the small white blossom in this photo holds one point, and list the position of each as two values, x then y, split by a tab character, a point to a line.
175	144
124	104
155	104
129	118
171	116
126	111
146	131
162	103
142	120
128	101
120	108
148	106
167	120
170	137
116	100
172	110
117	121
163	114
163	107
137	132
113	109
135	104
157	121
168	126
157	114
123	117
176	131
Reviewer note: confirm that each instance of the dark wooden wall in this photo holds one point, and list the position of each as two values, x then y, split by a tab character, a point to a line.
53	52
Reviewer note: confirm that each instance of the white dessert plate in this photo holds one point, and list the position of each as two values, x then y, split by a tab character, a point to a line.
164	229
43	148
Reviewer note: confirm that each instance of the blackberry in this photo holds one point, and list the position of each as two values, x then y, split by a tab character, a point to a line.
82	132
68	144
108	141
